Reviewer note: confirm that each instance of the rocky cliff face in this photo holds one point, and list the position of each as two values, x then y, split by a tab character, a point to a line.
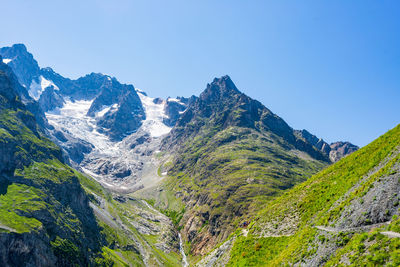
233	108
127	114
51	215
340	150
335	151
22	62
173	109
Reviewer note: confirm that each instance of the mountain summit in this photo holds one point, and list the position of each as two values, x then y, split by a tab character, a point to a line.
231	155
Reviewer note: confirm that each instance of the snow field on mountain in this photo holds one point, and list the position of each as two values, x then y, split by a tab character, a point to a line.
72	118
6	60
154	116
36	89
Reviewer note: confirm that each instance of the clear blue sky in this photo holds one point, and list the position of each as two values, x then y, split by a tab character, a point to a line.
332	67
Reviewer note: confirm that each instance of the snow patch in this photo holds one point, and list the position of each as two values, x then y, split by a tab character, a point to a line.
170	99
154	116
72	119
6	60
46	83
36	89
103	111
140	91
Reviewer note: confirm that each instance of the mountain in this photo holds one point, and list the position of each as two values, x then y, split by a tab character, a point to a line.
204	164
346	214
231	155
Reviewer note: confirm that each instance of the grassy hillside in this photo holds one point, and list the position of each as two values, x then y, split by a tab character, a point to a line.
338	216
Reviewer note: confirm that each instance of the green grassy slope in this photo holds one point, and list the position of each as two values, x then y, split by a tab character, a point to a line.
230	181
286	231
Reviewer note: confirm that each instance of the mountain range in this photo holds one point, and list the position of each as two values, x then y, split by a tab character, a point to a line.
156	181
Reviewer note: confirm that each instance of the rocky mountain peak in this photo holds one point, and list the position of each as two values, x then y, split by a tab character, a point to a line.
20	47
341	149
22	62
220	88
16	50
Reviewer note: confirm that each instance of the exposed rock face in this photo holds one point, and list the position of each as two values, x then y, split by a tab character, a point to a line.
77	148
103	110
10	146
67	87
315	141
334	151
28	249
340	150
50	99
343	214
21	91
126	119
112	111
173	109
22	62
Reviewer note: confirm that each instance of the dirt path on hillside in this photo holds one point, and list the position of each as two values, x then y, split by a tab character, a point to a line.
364	228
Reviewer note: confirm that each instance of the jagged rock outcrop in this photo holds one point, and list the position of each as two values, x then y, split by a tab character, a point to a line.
335	151
22	62
128	115
340	150
50	99
173	109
